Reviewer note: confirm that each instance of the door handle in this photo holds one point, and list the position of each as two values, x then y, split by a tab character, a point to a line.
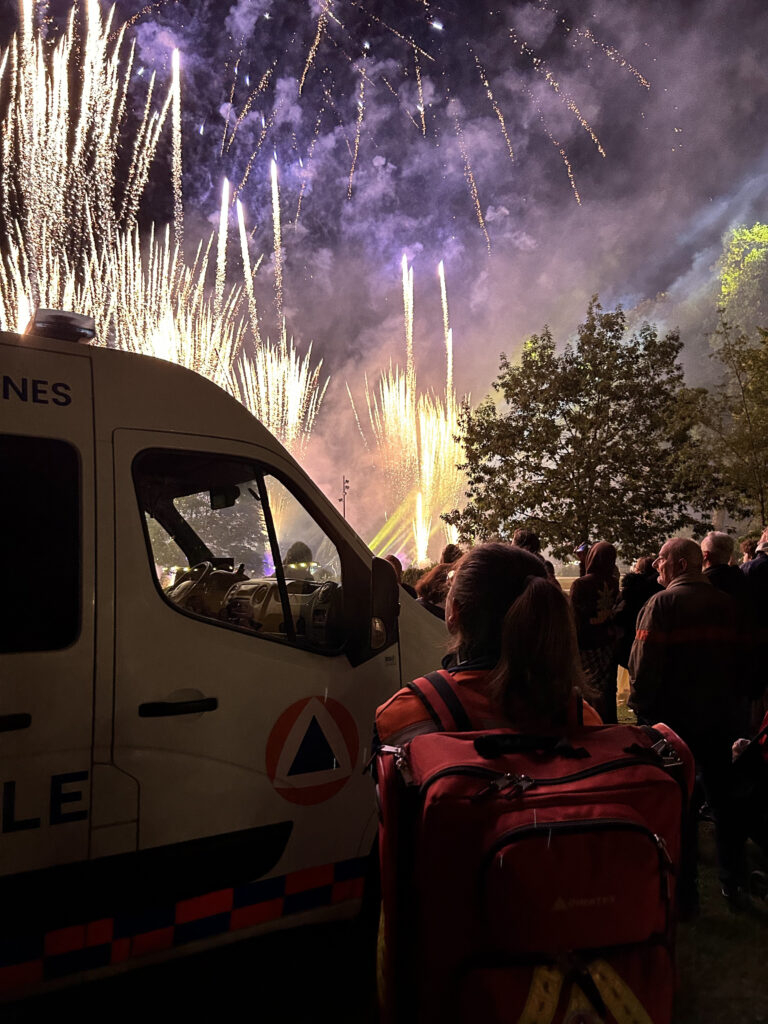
19	721
165	708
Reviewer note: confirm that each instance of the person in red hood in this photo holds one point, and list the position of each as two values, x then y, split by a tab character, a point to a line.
593	598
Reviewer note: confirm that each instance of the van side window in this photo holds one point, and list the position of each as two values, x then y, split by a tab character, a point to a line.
41	543
231	544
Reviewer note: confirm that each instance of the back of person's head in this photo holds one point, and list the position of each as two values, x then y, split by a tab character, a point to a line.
644	566
528	540
298	554
397	565
717	548
502	607
433	585
601	560
748	548
451	553
684	555
764	537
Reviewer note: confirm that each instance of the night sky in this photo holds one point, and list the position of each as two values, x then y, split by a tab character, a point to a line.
685	159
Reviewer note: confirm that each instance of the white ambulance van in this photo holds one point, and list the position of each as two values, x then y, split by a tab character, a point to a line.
192	646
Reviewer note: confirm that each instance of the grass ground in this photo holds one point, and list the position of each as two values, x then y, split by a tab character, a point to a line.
722	957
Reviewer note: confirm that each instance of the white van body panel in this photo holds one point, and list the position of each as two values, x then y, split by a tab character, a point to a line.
92	779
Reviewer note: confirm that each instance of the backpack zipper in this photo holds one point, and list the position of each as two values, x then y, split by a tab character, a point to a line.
519	783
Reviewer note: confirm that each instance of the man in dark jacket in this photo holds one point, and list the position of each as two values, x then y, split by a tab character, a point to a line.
685	670
716	551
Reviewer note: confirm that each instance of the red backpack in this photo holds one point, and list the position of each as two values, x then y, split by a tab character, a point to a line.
529	879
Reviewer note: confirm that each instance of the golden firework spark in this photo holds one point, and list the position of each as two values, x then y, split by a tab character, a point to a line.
178	207
248	274
221	252
263	82
471	183
494	104
278	237
540	66
358	130
421	93
321	23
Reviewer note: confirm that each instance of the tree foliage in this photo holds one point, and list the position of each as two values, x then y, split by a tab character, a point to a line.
596	443
743	268
736	418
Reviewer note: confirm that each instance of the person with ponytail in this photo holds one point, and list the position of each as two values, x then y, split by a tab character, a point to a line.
513	656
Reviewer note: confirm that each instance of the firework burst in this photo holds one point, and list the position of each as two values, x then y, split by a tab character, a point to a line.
414	437
71	239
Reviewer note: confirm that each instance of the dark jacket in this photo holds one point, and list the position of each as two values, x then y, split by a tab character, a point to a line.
685	666
593	597
728	578
636	589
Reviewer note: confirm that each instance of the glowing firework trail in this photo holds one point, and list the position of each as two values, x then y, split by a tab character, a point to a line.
405	110
178	208
253	311
447	332
221	251
612	54
389	28
265	128
358	130
563	154
471	183
421	93
494	104
247	108
422	528
408	317
278	244
321	23
610	51
305	169
229	107
539	65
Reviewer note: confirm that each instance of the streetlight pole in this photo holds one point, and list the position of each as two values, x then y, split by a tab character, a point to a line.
343	498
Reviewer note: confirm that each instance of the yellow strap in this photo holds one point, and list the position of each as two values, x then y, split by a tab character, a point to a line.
618	997
580	1008
543	996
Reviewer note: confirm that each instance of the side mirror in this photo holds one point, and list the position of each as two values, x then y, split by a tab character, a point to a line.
385	604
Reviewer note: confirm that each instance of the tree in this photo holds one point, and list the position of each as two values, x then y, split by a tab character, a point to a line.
596	443
736	418
743	268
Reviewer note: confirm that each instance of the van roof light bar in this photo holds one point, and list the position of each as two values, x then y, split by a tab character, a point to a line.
66	326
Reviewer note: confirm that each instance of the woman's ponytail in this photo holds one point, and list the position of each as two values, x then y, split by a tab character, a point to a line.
539	665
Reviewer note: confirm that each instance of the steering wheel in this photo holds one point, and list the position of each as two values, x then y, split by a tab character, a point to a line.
194	576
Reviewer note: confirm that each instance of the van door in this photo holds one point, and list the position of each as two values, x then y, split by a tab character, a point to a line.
46	633
237	708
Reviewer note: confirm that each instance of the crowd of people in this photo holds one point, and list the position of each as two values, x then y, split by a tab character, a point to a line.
689	624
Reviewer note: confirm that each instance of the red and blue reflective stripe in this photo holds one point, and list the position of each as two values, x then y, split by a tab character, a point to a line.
28	960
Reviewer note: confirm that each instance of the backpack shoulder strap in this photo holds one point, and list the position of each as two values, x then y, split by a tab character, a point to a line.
439	697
